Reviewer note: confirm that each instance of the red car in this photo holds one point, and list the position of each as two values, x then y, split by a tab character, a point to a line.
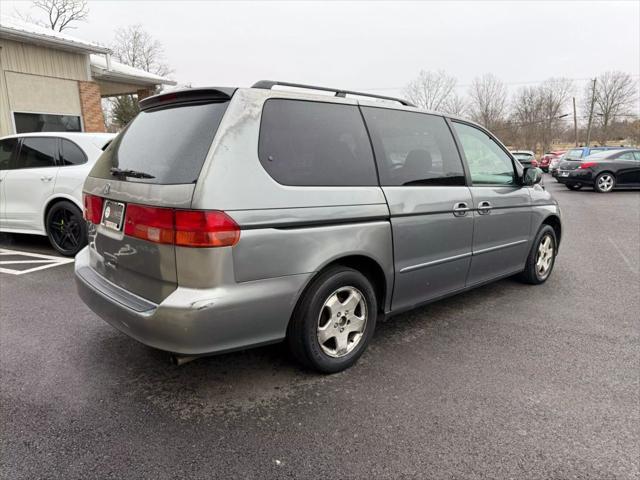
545	160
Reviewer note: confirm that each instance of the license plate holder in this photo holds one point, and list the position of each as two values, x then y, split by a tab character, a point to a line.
113	215
564	174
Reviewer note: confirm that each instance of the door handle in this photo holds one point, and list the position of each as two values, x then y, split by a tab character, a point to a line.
484	208
460	209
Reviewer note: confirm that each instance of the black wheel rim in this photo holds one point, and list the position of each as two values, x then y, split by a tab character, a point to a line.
65	229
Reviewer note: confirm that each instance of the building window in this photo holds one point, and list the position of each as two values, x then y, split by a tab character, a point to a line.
43	122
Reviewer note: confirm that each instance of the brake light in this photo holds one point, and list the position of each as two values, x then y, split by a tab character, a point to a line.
199	228
92	208
149	223
585	165
187	228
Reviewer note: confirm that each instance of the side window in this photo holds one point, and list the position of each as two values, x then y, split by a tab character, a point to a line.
7	148
627	156
637	155
488	163
37	152
70	153
315	144
413	148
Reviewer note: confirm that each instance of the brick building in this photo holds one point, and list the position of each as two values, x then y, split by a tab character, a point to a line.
50	81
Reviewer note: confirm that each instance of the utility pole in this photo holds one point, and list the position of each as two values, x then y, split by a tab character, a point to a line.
575	121
593	99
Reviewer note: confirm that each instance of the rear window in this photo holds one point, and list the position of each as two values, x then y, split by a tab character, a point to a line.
168	143
307	143
575	154
523	156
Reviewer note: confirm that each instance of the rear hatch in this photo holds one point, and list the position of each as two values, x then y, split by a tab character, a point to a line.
148	172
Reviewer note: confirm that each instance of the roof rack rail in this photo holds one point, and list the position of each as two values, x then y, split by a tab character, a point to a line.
269	84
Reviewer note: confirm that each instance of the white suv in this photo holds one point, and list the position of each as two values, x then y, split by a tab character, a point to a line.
41	177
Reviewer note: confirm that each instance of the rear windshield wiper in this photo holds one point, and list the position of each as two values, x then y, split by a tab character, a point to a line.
121	172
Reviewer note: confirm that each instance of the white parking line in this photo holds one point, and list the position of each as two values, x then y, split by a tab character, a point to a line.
49	261
624	257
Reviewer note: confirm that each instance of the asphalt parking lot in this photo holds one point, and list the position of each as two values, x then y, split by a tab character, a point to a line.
507	381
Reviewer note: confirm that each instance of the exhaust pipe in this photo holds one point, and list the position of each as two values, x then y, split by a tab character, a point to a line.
180	360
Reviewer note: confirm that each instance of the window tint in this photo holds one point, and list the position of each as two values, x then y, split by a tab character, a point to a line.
170	144
627	156
488	163
413	148
70	153
574	154
314	143
6	150
40	122
37	152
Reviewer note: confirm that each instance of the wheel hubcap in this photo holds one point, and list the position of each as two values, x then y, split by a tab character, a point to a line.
342	322
544	258
605	183
65	229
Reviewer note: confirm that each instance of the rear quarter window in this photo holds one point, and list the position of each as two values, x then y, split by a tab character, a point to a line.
305	143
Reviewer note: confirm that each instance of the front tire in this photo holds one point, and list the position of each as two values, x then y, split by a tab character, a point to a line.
542	257
333	321
605	182
66	229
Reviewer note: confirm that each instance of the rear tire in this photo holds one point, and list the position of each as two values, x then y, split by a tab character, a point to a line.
574	186
339	309
605	182
66	229
542	257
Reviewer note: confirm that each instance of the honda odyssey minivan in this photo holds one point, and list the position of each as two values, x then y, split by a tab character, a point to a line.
225	218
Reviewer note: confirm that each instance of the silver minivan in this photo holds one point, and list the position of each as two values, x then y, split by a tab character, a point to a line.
225	218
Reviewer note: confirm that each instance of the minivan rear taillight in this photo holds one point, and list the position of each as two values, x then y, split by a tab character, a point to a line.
92	208
200	228
149	223
187	228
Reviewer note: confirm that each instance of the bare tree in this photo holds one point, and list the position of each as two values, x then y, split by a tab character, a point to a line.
431	90
488	100
615	96
62	13
455	105
527	113
135	47
554	95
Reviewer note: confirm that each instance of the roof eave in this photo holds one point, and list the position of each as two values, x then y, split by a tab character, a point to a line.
21	36
110	75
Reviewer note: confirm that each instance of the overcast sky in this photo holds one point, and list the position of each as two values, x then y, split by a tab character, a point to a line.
377	46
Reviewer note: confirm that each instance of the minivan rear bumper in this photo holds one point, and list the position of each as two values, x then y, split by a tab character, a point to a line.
195	321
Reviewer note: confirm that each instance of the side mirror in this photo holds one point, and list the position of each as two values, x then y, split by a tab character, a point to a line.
531	176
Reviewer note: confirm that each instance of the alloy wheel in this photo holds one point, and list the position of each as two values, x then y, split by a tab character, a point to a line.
65	229
342	322
544	258
605	182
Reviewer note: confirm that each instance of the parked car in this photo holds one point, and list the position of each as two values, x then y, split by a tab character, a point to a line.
526	157
547	158
553	166
603	171
224	218
578	153
41	177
